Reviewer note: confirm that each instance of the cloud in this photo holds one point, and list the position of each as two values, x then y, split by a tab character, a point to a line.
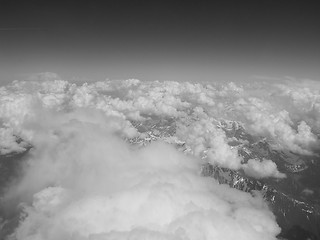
82	181
264	120
286	113
261	169
9	142
207	141
304	101
263	109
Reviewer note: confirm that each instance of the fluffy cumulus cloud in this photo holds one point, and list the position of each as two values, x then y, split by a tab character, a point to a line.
261	169
304	100
83	180
204	138
263	109
277	125
10	143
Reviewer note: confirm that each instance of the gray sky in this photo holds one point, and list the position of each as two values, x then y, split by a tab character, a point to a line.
159	40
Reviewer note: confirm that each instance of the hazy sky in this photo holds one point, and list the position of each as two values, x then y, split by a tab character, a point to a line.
159	40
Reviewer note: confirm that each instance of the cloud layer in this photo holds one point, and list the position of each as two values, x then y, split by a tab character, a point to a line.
284	112
82	180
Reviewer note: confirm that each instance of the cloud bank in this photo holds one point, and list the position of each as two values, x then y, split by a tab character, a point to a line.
263	109
82	180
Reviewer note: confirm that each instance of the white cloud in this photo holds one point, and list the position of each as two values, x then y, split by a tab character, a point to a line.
263	120
86	183
205	140
262	169
258	106
303	97
9	142
93	185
